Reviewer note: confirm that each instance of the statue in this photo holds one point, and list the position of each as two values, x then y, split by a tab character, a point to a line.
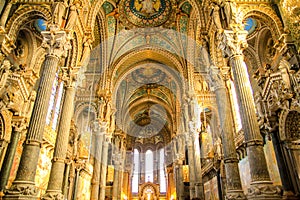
58	13
71	21
101	108
86	52
229	12
215	77
4	72
259	109
215	14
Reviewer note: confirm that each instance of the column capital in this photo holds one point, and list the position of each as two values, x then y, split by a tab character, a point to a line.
233	42
69	77
19	123
56	42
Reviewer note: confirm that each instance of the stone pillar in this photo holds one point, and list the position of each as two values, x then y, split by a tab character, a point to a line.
192	171
199	189
122	171
233	43
234	186
179	180
55	183
116	175
99	134
18	127
23	187
104	167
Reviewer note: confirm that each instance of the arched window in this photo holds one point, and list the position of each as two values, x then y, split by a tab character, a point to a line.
55	103
136	169
162	181
236	109
149	166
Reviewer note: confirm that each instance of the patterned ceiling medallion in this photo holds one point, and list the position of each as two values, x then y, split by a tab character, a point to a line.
147	75
146	13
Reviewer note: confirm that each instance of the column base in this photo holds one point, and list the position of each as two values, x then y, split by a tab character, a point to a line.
263	190
22	190
235	195
289	195
53	195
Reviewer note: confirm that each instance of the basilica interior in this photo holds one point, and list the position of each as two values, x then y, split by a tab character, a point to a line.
149	99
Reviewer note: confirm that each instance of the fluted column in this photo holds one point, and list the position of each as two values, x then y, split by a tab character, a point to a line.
99	134
54	190
234	186
55	43
106	142
261	186
18	127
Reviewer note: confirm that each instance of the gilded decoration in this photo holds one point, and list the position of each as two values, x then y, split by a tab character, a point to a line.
146	13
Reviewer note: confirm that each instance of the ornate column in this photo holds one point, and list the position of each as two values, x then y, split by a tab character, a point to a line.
106	141
233	43
99	134
18	126
234	186
54	190
55	43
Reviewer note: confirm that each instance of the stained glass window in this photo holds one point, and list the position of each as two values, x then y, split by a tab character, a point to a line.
236	109
162	178
52	100
149	166
58	105
135	177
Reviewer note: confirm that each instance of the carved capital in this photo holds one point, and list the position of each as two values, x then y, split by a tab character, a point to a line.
69	77
235	195
53	196
19	123
264	191
22	189
233	42
56	42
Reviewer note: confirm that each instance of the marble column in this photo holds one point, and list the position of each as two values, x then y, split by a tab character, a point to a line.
234	185
55	43
233	42
99	133
54	189
104	167
18	127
